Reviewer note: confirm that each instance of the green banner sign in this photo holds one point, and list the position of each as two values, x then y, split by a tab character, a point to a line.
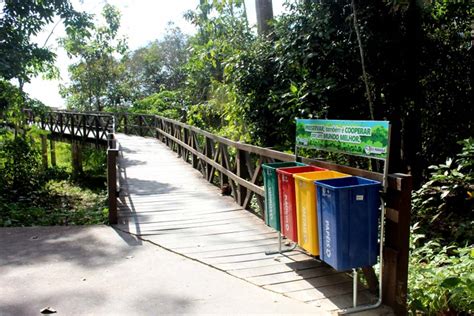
361	138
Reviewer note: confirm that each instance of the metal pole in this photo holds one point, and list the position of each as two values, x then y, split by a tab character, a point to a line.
382	232
280	250
355	279
279	242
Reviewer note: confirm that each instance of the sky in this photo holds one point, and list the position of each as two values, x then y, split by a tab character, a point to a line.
142	22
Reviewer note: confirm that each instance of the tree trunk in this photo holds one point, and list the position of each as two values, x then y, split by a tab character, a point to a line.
264	11
411	124
76	152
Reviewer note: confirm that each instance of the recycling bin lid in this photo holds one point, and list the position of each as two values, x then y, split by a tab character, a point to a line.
347	182
275	165
292	170
322	174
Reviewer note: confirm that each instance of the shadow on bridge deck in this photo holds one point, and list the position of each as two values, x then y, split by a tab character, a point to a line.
167	202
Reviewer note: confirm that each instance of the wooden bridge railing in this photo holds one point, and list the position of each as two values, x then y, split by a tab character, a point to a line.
237	168
91	127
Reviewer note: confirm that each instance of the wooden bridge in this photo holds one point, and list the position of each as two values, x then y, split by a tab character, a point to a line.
165	180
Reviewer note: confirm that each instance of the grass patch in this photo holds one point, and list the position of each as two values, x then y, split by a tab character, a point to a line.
61	202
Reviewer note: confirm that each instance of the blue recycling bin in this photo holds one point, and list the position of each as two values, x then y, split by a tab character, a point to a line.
348	215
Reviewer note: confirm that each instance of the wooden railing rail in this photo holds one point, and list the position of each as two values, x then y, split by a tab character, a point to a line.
74	125
237	168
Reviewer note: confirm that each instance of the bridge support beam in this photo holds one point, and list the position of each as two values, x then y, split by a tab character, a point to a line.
242	172
76	152
52	150
44	151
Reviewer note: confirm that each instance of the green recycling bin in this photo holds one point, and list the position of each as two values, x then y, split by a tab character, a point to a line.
272	201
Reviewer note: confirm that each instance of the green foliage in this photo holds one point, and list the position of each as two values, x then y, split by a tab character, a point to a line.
222	32
28	196
94	163
97	78
220	114
441	273
441	278
11	99
61	203
160	65
310	68
444	205
292	74
31	195
20	21
166	103
20	165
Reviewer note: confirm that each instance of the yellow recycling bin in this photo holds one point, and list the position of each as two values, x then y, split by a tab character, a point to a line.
306	214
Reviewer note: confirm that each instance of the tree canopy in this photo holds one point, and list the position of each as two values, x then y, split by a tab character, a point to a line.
96	76
20	57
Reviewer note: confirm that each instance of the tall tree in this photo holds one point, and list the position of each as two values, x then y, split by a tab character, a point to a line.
160	64
264	9
20	57
222	32
96	76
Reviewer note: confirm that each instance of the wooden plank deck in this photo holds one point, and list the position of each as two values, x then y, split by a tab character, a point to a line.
165	201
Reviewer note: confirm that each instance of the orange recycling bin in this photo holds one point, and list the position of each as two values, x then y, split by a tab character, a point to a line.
306	209
286	191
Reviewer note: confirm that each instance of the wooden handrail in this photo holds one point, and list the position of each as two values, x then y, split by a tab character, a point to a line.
74	125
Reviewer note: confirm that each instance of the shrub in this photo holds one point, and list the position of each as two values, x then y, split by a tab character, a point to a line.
444	206
441	278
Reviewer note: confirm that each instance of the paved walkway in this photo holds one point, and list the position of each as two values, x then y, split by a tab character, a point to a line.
97	270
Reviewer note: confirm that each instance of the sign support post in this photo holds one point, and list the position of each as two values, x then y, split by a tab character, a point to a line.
369	139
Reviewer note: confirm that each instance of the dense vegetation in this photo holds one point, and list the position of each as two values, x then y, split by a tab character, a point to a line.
441	275
35	195
404	61
31	193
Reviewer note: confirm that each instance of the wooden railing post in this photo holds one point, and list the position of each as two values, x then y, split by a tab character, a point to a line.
125	123
140	125
179	136
208	151
112	154
222	177
97	128
61	123
242	172
76	152
195	145
186	141
396	250
155	126
84	125
52	146
71	128
44	151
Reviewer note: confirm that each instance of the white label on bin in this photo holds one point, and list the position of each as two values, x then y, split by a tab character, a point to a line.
326	193
271	206
327	239
286	213
359	197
